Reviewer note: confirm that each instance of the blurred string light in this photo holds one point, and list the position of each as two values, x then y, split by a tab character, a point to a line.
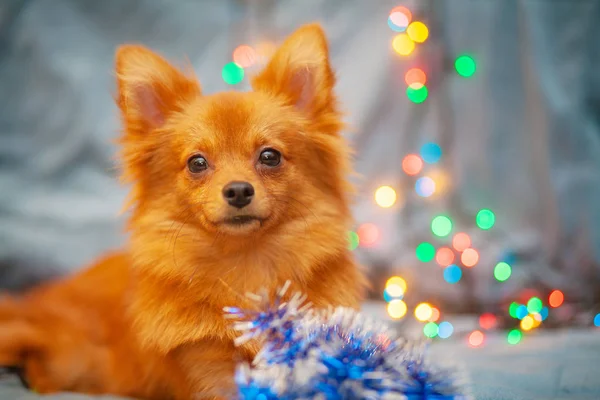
368	234
440	179
412	164
485	219
476	338
403	44
544	313
527	323
417	31
452	274
597	320
430	329
521	311
512	309
556	298
469	257
415	78
431	153
417	93
444	256
423	312
435	314
397	281
445	330
514	336
534	305
385	196
395	288
425	186
461	241
441	226
502	271
353	240
399	19
244	56
465	66
397	309
487	321
425	252
232	73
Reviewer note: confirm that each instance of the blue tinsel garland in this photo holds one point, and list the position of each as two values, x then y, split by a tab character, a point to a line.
333	354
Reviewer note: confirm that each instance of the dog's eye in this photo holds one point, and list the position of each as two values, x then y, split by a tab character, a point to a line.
270	157
197	164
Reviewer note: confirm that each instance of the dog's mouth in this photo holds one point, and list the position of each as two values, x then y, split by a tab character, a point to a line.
241	220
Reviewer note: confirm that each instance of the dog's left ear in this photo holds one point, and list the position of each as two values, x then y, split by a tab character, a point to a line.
300	72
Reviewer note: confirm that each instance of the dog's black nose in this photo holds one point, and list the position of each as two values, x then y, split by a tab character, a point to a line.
238	194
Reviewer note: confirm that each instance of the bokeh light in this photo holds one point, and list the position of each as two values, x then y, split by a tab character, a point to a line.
469	257
430	329
502	271
425	252
514	336
397	309
415	76
244	56
399	18
444	256
544	313
423	312
522	311
465	66
440	179
385	196
412	164
353	240
452	274
393	292
425	186
487	321
485	219
527	323
476	338
461	241
368	234
232	73
512	309
403	44
534	305
556	298
441	226
417	93
431	153
397	281
597	320
445	330
418	31
435	314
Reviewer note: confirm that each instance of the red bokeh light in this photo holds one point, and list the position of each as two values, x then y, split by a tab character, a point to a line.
368	234
476	338
556	298
444	256
487	321
469	257
461	241
412	164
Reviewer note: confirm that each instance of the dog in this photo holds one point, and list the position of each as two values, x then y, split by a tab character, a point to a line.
230	193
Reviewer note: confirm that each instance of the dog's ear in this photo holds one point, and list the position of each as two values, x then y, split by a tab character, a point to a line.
300	72
149	88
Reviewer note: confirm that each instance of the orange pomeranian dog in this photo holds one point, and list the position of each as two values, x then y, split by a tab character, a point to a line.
231	193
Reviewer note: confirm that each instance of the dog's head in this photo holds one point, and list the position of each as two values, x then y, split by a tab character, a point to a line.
235	163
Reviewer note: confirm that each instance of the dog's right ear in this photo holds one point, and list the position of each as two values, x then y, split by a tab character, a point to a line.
149	89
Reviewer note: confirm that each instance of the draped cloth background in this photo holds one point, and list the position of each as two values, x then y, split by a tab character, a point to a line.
522	137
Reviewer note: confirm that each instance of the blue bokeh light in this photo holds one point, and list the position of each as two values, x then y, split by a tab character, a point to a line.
452	274
445	330
431	152
522	311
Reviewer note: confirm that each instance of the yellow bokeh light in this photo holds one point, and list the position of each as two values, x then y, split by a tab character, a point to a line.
397	281
385	196
527	323
397	309
423	312
394	290
418	31
441	179
403	44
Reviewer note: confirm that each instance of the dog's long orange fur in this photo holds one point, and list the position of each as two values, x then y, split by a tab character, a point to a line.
148	322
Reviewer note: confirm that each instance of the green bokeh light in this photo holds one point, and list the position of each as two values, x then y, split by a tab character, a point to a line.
514	336
232	73
502	271
512	309
353	240
431	329
417	94
534	305
485	219
465	66
425	252
441	226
